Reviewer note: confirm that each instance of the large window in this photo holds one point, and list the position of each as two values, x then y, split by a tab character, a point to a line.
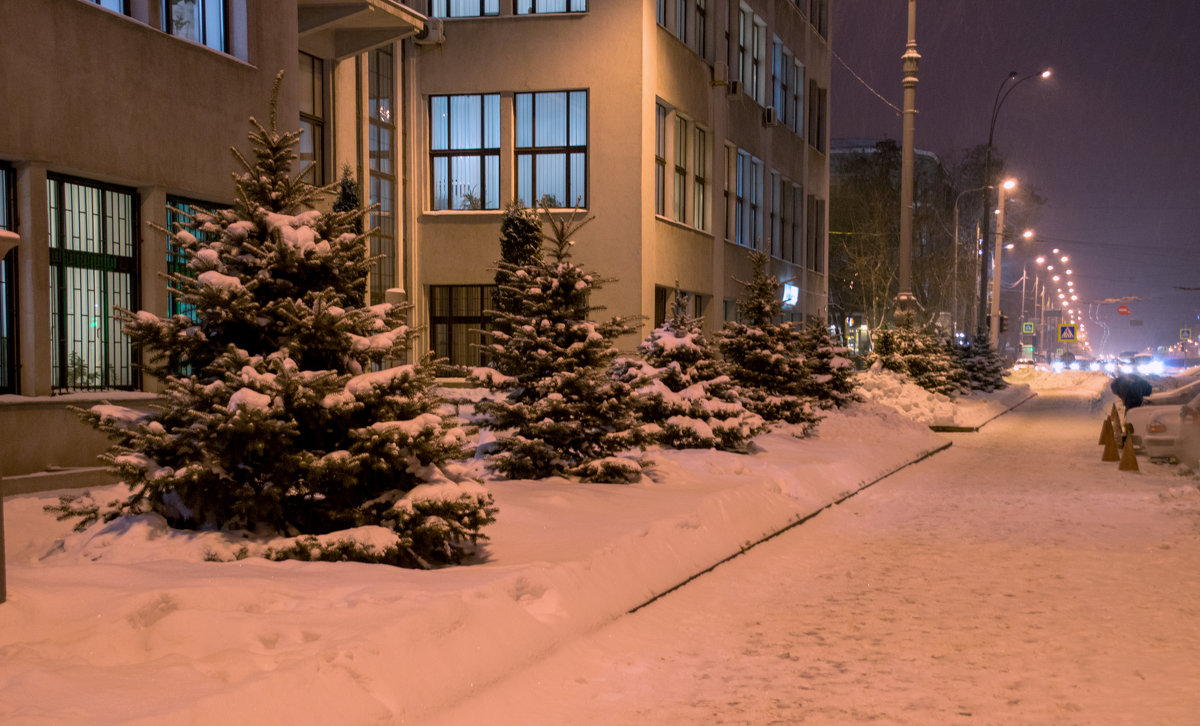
748	200
8	289
312	118
463	8
660	159
701	28
201	21
700	180
681	175
752	51
551	148
381	126
465	151
457	315
781	78
93	269
528	7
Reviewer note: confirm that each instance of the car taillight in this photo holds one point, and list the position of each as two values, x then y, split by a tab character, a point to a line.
1156	427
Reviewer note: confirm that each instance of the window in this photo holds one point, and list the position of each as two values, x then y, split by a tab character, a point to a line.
818	13
785	221
700	181
8	288
664	298
93	269
748	199
117	6
700	28
797	225
730	182
201	21
381	150
661	13
816	115
312	118
528	7
551	148
795	120
815	247
465	151
179	216
776	225
782	71
681	13
660	159
681	156
752	49
457	315
463	8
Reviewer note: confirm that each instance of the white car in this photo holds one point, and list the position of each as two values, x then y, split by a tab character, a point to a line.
1166	425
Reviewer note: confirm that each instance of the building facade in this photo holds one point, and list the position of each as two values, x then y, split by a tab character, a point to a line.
693	131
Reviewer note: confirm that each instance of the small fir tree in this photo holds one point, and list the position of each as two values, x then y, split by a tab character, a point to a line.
289	421
765	357
348	199
559	411
920	355
684	394
983	368
521	241
830	370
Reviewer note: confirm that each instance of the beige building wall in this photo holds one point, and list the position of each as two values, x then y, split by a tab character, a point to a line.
629	63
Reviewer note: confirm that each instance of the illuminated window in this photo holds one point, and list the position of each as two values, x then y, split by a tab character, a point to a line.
465	151
93	270
551	148
381	151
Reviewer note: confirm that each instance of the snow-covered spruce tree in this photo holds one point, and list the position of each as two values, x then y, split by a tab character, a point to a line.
559	410
684	394
984	369
289	421
920	355
348	198
830	370
766	362
521	241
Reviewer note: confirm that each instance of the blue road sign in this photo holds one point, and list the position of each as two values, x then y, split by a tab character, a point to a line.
1066	333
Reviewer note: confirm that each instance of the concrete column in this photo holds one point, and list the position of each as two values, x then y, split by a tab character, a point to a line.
33	280
153	262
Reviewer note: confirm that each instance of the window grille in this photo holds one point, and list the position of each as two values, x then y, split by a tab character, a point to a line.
551	148
457	315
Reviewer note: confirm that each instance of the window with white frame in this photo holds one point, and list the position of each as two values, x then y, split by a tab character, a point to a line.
464	149
463	8
551	147
744	43
748	199
531	7
782	69
729	183
201	21
752	51
681	175
700	179
660	159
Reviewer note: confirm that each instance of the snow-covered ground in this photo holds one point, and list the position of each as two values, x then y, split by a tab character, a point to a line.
937	409
127	623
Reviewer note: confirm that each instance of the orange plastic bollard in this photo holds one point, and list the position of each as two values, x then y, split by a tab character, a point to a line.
1128	459
1110	450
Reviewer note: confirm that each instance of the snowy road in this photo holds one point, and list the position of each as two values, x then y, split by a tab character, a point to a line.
1013	579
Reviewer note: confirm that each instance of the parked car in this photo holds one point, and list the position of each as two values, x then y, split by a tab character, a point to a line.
1167	424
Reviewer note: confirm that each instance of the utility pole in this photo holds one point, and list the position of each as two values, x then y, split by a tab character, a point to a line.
906	302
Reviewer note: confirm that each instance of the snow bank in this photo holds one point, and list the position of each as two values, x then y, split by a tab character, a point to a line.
131	616
936	409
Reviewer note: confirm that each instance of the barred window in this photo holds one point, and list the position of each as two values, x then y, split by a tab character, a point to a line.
551	148
457	315
465	151
93	269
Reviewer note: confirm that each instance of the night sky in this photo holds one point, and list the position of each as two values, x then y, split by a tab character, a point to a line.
1110	140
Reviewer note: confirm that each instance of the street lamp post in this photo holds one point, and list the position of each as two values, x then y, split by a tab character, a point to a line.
906	302
995	314
954	316
1001	97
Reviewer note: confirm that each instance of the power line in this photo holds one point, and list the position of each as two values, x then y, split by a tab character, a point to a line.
865	84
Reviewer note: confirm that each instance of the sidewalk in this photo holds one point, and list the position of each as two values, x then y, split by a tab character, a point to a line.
132	616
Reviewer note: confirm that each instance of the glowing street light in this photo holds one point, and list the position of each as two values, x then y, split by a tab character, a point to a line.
994	327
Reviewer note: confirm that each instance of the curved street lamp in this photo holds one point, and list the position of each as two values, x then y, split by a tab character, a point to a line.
1002	94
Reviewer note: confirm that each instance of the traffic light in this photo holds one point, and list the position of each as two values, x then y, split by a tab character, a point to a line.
1003	323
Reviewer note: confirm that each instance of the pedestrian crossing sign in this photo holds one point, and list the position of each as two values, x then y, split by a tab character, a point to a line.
1185	333
1027	328
1066	333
